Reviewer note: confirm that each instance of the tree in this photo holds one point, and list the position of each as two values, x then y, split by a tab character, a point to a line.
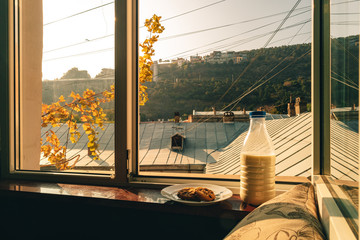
106	73
75	73
88	107
145	75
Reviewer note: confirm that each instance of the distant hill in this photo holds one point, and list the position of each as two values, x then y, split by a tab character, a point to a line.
286	71
53	89
200	86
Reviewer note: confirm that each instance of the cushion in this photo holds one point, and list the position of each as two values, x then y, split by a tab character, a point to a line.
291	215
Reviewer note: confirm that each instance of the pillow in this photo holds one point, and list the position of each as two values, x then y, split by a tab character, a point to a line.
291	215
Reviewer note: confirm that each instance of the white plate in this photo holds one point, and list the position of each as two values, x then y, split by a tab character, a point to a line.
221	193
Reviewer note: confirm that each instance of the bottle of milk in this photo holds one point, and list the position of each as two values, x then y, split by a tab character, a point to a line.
257	163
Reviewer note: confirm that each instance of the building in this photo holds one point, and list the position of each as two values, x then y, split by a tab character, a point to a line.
297	107
93	205
179	61
196	59
225	57
217	116
214	147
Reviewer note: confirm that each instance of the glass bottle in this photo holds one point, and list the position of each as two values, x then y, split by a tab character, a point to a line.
257	163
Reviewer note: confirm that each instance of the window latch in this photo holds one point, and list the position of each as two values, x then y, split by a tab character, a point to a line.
128	173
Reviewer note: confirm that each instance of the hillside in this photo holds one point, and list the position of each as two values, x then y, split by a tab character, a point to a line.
200	86
283	72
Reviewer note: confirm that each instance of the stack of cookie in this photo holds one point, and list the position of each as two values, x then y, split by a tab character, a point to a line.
196	194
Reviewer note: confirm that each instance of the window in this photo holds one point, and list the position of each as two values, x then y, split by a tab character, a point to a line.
344	91
202	79
344	118
63	86
336	166
215	62
187	86
67	73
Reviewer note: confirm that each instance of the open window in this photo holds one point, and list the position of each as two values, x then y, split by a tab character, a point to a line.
213	64
222	67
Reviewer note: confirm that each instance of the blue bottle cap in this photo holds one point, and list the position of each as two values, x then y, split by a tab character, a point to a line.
257	114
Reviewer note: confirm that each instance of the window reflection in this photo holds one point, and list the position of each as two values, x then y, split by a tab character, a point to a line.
344	121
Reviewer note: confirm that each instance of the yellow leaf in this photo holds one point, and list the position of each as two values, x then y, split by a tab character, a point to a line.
61	98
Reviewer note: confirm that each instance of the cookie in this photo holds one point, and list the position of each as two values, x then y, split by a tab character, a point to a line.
205	194
196	194
188	193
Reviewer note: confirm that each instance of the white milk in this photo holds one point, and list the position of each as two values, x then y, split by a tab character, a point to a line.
257	178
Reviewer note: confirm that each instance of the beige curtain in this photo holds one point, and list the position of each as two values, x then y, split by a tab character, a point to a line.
31	47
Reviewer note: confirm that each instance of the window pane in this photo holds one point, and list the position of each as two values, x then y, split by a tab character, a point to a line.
66	85
345	95
215	57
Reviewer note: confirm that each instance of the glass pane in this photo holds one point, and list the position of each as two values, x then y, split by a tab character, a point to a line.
66	85
345	96
214	63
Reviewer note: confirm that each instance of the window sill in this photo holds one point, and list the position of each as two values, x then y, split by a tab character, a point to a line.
140	209
338	214
139	198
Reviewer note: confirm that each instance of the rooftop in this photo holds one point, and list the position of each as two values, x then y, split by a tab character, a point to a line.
214	147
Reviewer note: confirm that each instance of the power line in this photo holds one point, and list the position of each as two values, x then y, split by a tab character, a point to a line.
247	93
345	83
236	44
75	44
344	13
346	23
79	13
272	43
282	23
253	60
228	46
183	34
80	54
336	41
224	39
239	99
88	10
345	2
239	34
251	89
345	79
191	11
228	25
296	34
262	35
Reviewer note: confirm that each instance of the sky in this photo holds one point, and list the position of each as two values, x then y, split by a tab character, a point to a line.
192	27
